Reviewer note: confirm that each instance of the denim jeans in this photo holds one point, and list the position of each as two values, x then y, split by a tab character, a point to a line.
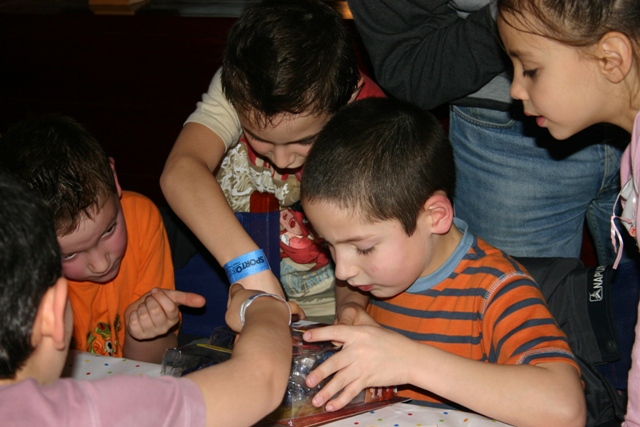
528	194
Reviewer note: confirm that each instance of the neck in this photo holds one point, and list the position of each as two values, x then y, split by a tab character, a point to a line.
630	106
627	118
5	382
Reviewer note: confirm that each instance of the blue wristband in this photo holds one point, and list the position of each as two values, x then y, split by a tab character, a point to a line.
246	265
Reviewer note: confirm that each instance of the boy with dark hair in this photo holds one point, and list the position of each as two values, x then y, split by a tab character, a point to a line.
288	66
36	330
451	320
115	252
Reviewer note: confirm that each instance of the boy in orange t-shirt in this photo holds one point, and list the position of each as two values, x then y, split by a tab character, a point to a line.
115	252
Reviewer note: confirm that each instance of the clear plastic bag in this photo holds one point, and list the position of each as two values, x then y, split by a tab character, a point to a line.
296	409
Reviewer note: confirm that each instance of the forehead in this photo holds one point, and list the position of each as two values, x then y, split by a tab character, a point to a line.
525	28
283	128
91	227
525	44
338	225
515	37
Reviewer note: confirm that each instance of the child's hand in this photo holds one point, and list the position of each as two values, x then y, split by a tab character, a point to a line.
156	312
352	314
371	356
237	295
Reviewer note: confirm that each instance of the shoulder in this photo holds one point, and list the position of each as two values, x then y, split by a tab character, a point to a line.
487	258
138	204
84	402
484	266
141	215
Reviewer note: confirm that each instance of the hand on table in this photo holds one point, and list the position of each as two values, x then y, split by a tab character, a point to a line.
371	356
157	311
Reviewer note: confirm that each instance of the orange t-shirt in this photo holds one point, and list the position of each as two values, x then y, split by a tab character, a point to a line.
98	309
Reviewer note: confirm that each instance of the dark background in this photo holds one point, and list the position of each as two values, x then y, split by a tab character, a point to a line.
131	79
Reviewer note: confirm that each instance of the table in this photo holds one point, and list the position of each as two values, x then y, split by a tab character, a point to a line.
87	366
408	415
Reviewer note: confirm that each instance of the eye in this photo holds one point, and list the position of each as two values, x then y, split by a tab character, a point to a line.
308	141
110	230
530	73
68	257
253	138
365	251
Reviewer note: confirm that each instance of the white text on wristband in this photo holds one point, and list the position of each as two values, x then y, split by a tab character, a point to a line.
246	265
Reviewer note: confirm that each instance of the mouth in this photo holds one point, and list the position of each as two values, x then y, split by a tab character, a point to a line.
363	288
287	171
281	170
540	120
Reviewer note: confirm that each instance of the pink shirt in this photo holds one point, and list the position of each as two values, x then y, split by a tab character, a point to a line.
630	176
117	401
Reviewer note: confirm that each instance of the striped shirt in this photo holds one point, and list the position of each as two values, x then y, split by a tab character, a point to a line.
479	304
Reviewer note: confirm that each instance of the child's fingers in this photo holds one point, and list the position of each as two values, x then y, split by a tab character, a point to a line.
145	322
188	299
133	324
296	311
347	316
353	314
327	368
344	398
161	309
342	383
327	333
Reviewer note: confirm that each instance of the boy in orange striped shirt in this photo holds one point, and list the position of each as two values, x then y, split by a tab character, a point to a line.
452	321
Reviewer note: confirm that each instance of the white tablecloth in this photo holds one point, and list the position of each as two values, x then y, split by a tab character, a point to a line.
408	415
88	366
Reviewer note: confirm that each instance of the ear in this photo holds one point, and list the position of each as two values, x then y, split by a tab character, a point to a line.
615	52
50	323
440	212
112	162
357	91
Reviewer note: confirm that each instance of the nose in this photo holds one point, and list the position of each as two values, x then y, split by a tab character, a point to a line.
517	90
283	158
98	262
344	268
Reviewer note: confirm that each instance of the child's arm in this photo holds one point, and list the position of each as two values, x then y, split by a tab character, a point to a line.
195	196
242	390
151	322
521	395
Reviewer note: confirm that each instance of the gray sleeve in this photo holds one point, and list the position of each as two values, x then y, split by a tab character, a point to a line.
425	52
